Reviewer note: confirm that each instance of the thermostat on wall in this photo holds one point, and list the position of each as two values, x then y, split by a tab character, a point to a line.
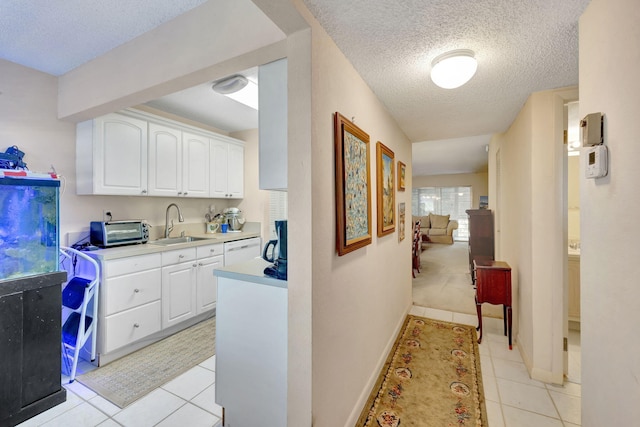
596	161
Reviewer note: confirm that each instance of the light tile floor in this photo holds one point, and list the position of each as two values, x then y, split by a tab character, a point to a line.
188	400
512	398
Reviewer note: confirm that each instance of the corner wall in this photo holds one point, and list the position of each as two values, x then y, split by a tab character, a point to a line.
359	299
609	64
527	197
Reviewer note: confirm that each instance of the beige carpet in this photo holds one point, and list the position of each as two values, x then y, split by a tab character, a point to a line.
444	281
126	380
431	378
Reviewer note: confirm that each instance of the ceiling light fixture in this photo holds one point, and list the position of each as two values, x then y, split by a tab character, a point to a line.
230	84
453	69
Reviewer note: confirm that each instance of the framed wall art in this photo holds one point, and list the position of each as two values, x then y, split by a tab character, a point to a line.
385	190
402	170
353	186
401	221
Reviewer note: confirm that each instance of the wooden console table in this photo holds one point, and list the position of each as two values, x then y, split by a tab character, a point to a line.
493	285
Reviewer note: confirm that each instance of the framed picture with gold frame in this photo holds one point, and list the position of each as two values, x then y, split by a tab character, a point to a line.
402	171
385	189
353	186
401	221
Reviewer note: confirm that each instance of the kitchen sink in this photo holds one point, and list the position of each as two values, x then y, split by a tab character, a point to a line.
176	240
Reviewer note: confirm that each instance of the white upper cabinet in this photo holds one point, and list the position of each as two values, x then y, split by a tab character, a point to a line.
178	163
195	170
272	86
111	156
165	161
227	169
236	171
133	153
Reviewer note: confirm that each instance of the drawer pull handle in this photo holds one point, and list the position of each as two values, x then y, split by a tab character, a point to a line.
136	290
200	264
136	325
180	256
195	265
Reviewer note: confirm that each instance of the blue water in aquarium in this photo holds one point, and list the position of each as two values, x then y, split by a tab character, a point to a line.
29	221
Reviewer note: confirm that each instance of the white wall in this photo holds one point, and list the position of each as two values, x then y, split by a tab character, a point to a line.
359	299
479	183
28	119
530	226
573	196
609	64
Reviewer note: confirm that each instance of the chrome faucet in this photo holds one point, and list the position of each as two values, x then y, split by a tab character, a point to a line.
167	228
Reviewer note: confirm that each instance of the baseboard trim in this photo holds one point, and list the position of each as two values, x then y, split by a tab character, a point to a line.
364	395
536	373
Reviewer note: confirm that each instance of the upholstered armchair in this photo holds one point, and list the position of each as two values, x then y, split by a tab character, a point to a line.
437	228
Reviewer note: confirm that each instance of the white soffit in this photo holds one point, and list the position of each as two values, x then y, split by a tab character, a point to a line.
58	36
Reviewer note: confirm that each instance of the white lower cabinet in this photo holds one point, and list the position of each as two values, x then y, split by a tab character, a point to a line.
131	325
209	259
251	352
143	295
129	301
188	285
178	286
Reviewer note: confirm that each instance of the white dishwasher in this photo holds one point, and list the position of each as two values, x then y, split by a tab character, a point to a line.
242	250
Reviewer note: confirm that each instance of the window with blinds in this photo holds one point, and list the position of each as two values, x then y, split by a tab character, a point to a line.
453	201
277	210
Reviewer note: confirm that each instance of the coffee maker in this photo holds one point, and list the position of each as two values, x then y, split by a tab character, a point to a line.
278	253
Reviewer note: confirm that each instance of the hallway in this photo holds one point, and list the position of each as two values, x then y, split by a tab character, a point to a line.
512	398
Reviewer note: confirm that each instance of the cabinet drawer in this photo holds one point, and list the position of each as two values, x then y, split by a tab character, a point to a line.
209	250
125	292
177	256
132	325
122	266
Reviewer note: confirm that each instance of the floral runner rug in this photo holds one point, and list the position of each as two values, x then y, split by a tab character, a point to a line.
431	378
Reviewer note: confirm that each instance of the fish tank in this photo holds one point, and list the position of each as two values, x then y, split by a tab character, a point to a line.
29	226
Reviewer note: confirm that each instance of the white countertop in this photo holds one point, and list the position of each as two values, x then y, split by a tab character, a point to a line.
150	248
250	271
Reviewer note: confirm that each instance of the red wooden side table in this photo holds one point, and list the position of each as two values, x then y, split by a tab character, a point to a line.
493	285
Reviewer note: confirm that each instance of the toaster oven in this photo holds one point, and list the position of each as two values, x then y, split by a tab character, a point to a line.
117	233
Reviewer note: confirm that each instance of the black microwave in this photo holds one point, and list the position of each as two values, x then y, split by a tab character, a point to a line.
117	233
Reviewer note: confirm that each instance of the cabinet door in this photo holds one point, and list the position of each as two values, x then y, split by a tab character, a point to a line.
195	165
236	171
219	169
178	293
272	117
165	161
120	155
207	283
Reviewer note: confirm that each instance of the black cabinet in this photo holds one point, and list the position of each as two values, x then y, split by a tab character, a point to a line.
30	317
481	240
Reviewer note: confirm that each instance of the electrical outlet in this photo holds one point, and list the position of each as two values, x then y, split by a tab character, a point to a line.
106	215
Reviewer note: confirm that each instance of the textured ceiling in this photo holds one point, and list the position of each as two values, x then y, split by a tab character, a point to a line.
521	46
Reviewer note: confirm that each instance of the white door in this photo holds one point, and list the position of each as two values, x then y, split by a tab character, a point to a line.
178	293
